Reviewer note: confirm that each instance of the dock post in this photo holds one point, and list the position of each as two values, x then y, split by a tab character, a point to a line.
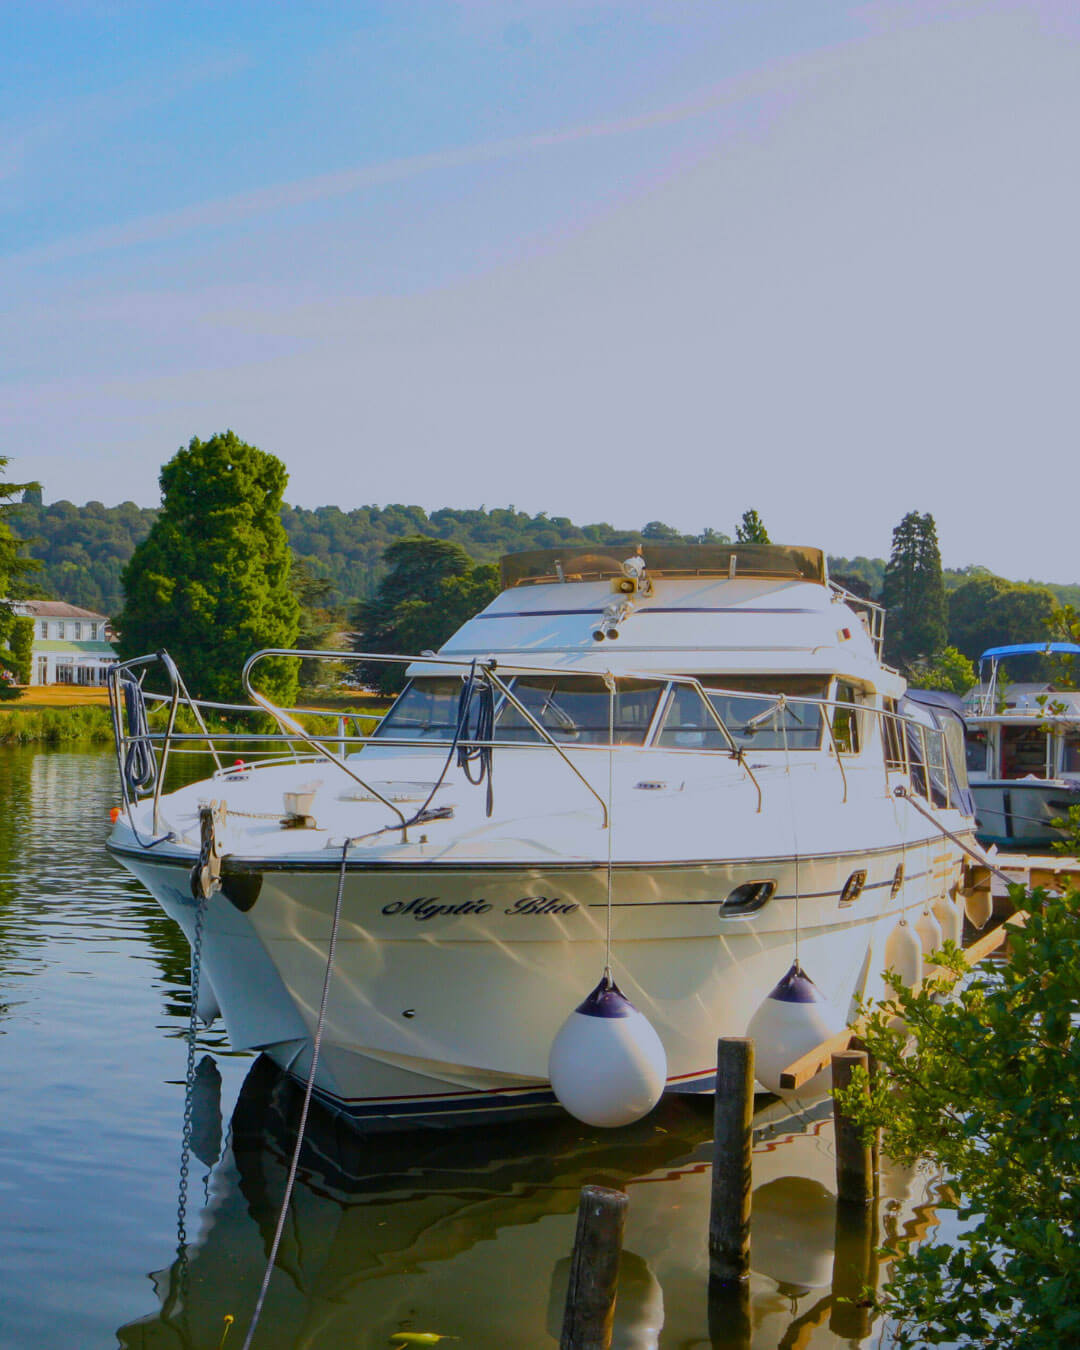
854	1157
729	1215
594	1269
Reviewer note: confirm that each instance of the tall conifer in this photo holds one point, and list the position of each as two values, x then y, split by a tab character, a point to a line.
914	593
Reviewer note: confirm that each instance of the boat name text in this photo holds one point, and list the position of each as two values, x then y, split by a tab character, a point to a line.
429	907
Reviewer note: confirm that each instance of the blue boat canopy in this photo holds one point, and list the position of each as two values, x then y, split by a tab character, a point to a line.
1032	649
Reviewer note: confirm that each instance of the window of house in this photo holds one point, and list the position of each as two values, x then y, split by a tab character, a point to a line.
93	632
43	669
43	628
60	628
77	632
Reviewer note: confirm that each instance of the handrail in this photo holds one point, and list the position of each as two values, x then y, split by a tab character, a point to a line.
291	731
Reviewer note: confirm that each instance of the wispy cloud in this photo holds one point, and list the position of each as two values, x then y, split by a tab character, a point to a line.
230	210
80	120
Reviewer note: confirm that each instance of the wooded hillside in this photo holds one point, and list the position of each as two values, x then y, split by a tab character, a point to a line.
84	548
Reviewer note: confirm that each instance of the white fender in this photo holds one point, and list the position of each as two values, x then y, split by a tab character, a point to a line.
794	1018
607	1064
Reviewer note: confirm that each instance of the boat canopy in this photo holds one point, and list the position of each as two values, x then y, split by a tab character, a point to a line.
576	562
1031	649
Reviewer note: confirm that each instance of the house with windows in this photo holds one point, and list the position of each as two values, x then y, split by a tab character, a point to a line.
71	645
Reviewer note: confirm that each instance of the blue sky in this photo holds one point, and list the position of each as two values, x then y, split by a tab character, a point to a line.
613	261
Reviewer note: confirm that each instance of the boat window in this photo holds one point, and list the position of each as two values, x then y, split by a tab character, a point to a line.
1070	758
1023	752
975	751
894	748
845	721
574	709
427	708
738	702
688	724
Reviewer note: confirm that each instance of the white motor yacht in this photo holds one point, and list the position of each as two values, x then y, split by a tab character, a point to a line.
689	766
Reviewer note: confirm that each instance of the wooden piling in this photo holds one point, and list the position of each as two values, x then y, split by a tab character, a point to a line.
729	1216
594	1269
854	1158
851	1313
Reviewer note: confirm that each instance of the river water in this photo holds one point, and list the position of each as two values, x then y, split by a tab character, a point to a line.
466	1234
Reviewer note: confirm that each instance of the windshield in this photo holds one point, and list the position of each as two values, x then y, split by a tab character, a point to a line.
688	724
572	709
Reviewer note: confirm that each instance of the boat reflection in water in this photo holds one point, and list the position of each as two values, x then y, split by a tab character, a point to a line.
468	1233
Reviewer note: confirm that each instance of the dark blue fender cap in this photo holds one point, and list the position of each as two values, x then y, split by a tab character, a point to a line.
797	987
606	1000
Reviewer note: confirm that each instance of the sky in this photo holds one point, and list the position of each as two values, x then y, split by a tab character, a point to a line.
619	261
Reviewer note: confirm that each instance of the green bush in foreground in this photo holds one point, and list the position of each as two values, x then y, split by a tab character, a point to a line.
987	1092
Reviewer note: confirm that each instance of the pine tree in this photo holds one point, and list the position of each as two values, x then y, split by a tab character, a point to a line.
914	593
210	583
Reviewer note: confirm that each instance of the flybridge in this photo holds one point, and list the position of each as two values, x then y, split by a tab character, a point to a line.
574	563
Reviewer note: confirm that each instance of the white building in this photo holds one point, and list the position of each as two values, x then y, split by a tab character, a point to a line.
70	644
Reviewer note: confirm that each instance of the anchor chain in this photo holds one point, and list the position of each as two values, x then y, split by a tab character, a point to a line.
205	880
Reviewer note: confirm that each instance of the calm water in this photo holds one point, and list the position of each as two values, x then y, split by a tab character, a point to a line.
466	1234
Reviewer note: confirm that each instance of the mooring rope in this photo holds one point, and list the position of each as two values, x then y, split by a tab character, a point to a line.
978	854
294	1163
609	680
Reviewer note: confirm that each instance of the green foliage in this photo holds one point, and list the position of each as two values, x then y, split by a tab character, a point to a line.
951	671
987	1093
1064	626
1070	823
55	726
989	611
751	530
14	660
914	593
429	591
210	583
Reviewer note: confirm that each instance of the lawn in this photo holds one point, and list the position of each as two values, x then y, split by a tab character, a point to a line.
60	696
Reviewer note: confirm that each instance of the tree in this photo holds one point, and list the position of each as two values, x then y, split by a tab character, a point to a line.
983	1084
751	530
914	592
989	611
210	582
951	671
429	591
14	660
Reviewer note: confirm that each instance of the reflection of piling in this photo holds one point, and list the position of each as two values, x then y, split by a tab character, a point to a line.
730	1323
851	1315
594	1269
729	1217
854	1157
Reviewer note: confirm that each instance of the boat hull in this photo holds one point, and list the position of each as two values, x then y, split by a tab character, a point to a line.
1019	813
450	983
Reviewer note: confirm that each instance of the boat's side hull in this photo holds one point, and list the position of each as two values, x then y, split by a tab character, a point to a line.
451	982
1020	813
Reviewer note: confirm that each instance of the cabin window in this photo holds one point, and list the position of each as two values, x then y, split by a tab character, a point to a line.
845	720
575	709
1070	755
739	700
688	724
975	751
1023	752
894	747
426	708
